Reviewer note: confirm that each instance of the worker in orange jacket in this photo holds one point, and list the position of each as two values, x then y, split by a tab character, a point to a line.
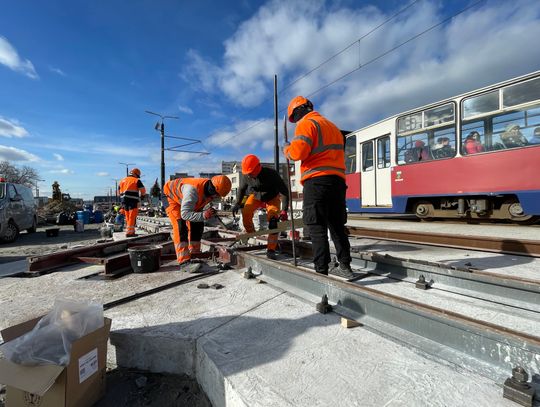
261	189
319	145
186	199
131	191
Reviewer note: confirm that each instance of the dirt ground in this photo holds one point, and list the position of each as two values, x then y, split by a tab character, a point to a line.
125	388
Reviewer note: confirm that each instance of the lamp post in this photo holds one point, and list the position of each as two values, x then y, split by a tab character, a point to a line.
115	190
127	167
160	126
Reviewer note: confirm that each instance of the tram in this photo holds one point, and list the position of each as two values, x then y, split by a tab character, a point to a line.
473	156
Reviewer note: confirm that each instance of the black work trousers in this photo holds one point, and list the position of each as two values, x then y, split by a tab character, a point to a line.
324	209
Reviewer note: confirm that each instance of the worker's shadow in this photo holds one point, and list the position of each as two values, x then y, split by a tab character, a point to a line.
228	344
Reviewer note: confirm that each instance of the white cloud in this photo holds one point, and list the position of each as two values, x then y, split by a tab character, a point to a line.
62	171
11	129
15	154
244	135
489	43
57	71
58	157
185	109
102	174
10	58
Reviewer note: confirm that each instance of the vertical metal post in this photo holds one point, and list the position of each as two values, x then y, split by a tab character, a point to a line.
162	155
276	142
286	137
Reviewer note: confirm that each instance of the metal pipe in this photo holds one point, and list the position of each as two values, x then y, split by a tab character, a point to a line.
286	136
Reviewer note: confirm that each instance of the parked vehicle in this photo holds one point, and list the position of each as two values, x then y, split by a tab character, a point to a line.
17	211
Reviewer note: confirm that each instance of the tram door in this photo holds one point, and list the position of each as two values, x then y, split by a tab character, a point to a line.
375	169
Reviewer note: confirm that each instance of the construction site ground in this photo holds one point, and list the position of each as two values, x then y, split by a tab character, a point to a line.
253	344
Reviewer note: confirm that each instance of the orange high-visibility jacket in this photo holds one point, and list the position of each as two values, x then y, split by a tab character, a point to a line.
130	187
318	143
195	202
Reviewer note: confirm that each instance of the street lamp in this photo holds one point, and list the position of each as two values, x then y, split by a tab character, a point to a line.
160	126
127	167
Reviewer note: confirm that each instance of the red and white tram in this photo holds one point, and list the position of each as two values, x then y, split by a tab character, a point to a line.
474	156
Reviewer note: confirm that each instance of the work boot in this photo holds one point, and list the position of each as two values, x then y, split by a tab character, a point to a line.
321	271
271	254
342	270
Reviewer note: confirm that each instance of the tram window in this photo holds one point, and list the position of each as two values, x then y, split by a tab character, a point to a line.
350	155
488	102
410	122
367	156
521	93
383	152
439	115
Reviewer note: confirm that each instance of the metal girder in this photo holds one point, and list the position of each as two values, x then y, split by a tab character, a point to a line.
490	349
484	243
48	262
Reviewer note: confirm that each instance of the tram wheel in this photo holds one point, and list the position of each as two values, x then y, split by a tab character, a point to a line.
424	210
515	213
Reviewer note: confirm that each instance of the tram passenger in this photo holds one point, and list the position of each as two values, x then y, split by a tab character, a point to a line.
535	139
418	153
513	137
472	143
443	149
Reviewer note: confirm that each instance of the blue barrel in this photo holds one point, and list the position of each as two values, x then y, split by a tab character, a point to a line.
84	216
98	217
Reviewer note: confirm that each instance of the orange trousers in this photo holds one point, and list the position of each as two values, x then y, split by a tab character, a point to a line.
186	235
131	219
272	211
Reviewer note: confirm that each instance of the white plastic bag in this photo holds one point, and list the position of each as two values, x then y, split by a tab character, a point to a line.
50	340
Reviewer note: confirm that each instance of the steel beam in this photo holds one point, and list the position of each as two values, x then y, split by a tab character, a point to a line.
491	349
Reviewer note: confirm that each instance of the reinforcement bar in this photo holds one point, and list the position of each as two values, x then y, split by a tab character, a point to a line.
490	349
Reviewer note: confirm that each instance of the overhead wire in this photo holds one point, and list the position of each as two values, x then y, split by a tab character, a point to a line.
258	122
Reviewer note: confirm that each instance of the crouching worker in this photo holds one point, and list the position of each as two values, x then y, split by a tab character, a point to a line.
186	198
260	189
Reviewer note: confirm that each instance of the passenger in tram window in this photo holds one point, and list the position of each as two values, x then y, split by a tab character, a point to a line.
418	153
472	143
513	137
443	149
535	139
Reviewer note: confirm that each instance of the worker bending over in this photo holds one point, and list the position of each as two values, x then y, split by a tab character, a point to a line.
260	189
186	198
319	145
131	191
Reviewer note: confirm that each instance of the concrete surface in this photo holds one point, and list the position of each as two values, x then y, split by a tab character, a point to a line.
251	344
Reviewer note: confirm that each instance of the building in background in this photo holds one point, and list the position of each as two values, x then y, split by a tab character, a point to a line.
227	167
177	175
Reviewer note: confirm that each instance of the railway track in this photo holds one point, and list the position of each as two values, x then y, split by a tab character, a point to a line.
520	247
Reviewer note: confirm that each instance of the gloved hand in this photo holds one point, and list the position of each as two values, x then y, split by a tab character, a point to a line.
283	216
207	214
235	209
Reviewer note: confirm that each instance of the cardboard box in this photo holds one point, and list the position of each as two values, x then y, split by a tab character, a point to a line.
79	384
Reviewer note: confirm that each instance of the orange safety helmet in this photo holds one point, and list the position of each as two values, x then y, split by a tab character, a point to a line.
222	184
251	165
296	102
136	172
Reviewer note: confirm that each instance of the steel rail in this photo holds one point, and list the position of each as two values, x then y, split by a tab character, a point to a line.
490	349
520	247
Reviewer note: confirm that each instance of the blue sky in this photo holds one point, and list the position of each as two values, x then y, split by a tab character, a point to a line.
76	77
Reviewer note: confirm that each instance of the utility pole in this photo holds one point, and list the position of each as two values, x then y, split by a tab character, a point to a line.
115	190
127	167
160	126
276	143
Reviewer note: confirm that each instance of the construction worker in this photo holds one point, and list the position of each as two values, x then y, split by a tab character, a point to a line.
131	191
319	145
260	189
186	199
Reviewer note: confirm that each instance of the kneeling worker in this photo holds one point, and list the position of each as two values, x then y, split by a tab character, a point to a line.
186	198
262	186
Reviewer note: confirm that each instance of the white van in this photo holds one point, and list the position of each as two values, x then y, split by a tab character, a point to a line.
17	211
